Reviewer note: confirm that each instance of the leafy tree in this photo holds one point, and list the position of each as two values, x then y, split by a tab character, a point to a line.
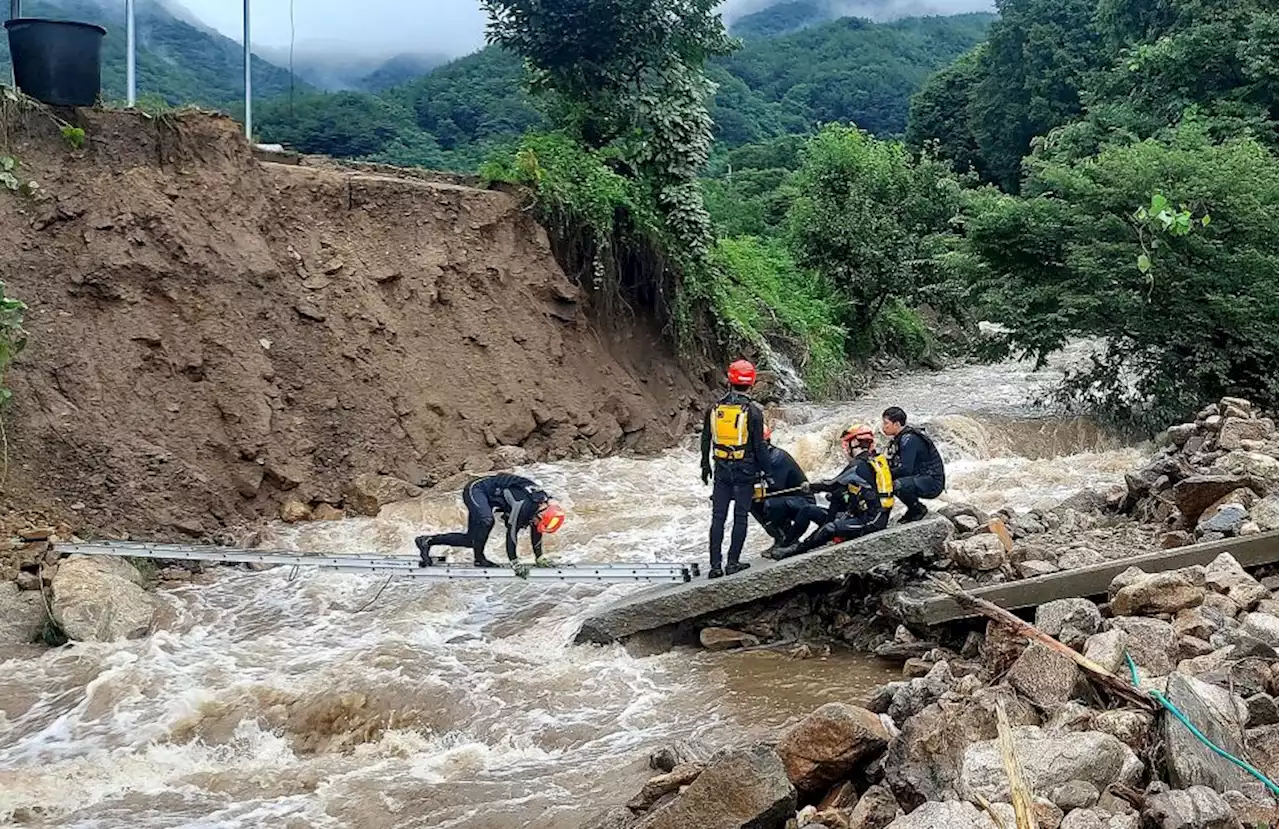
867	218
939	115
345	124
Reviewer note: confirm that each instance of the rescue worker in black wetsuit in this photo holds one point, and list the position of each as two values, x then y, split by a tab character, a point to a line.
733	437
862	495
519	501
917	467
784	517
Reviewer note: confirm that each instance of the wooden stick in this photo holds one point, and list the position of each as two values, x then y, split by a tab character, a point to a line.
1113	683
1023	815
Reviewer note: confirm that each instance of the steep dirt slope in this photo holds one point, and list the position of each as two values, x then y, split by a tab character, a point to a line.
210	335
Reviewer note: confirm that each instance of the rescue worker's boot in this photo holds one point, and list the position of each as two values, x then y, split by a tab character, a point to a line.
736	567
715	573
914	513
423	543
481	561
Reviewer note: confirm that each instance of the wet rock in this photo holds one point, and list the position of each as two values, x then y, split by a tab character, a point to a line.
293	510
880	698
1070	621
1216	712
1262	710
876	809
1107	649
22	614
742	789
101	599
1075	794
1192	495
368	493
725	639
913	696
1151	642
1156	593
663	784
668	757
945	815
1225	575
1044	677
1033	567
1129	727
1237	429
1227	520
1050	759
825	746
1198	807
984	551
1260	626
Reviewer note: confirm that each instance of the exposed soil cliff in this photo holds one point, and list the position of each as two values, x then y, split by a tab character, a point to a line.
211	335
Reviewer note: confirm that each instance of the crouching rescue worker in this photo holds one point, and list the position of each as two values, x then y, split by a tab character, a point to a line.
521	503
784	517
861	495
915	462
733	438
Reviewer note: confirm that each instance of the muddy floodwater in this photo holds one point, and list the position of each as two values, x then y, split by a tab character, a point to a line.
271	702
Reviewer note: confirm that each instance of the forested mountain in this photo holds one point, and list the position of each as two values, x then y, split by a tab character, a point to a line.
178	61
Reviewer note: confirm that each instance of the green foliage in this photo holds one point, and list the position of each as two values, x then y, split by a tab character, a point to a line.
9	177
869	219
344	124
765	298
1198	324
13	338
939	116
73	135
784	18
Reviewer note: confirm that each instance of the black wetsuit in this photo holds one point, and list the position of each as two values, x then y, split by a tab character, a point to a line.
917	468
734	479
785	517
517	499
852	514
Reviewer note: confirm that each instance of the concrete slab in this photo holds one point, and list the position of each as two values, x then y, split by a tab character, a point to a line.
1084	582
658	608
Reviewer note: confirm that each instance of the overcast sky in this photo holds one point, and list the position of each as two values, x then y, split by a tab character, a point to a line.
452	27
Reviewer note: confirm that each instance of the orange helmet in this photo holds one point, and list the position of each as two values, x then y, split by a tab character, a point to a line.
550	518
742	373
859	434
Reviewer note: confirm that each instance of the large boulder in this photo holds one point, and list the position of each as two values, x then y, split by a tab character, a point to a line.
1156	593
1045	677
741	789
661	785
1070	620
21	614
1235	430
1260	471
1198	807
984	551
368	493
1151	642
1194	494
825	746
945	815
1050	760
101	599
1218	714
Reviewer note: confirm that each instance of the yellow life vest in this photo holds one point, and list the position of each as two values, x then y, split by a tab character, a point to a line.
884	481
729	431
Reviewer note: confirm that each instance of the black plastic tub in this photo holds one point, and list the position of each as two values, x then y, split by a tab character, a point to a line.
58	62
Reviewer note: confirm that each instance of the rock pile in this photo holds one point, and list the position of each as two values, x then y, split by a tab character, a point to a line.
923	753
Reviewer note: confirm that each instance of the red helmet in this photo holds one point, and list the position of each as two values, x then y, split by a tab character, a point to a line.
742	373
551	518
860	434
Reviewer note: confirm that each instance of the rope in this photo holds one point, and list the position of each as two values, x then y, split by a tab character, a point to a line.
369	603
1182	718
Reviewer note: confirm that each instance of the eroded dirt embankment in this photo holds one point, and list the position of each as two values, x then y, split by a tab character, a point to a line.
211	335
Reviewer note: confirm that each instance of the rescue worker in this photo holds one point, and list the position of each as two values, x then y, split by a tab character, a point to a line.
784	517
733	437
862	494
519	501
916	464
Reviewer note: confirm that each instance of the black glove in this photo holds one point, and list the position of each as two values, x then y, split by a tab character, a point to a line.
706	475
821	486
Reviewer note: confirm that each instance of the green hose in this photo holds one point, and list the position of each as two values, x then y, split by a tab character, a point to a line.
1182	718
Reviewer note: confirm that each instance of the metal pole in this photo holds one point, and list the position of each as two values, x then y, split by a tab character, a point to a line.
131	50
15	9
248	78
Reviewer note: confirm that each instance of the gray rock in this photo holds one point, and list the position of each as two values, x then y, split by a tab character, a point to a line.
615	817
1156	593
1260	626
1235	429
949	814
1126	577
825	746
100	599
1200	622
876	809
1225	575
1069	716
1050	759
21	614
725	639
1151	642
1129	727
368	493
1263	745
879	699
1252	813
1192	495
1179	435
954	510
650	610
1265	514
664	784
1044	677
913	696
1075	794
984	552
1262	710
1034	567
1198	807
1107	649
1190	647
1216	712
1260	471
1225	607
1080	557
1083	819
1069	620
742	789
668	757
1227	520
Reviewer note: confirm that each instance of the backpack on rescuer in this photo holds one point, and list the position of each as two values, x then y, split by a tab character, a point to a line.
884	481
729	431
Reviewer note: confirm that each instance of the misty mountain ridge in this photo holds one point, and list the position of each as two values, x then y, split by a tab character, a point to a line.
790	16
